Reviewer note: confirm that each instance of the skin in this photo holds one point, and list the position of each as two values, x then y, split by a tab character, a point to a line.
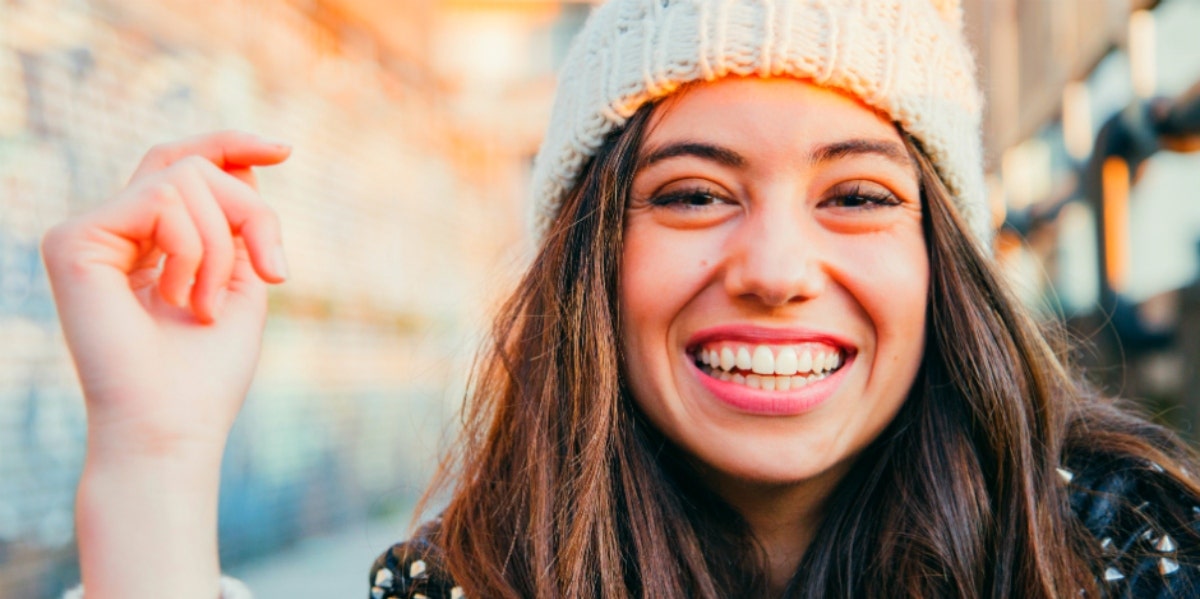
775	241
164	364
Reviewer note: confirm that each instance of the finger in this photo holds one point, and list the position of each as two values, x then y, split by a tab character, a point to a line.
244	305
245	175
151	259
246	284
225	149
251	219
216	236
129	234
176	236
147	269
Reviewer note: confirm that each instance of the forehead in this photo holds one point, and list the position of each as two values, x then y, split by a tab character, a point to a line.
765	112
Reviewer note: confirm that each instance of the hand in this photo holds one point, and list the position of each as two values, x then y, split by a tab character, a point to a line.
165	355
165	363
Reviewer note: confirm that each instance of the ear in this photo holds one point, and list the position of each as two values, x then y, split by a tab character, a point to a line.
951	11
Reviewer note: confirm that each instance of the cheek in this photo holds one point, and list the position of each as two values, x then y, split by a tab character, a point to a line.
660	276
660	273
892	287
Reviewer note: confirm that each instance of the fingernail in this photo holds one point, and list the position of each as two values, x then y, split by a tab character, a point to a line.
280	266
276	142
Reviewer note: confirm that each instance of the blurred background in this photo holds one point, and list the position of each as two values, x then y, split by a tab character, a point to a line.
414	124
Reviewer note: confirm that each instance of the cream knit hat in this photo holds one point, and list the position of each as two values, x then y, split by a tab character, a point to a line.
906	58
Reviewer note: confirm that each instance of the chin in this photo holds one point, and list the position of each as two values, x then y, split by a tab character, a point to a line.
763	463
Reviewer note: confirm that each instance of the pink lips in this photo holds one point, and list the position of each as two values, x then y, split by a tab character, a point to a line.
771	403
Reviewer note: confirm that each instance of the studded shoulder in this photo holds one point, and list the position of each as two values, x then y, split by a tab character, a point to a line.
413	569
1146	525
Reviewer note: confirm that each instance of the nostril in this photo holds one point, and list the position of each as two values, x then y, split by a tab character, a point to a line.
775	282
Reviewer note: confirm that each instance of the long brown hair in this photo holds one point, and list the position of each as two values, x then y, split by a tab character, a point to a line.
560	488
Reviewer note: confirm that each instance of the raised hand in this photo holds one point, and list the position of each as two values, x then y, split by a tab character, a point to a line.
161	291
163	361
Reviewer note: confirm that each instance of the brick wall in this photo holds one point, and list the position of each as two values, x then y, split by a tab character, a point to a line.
394	251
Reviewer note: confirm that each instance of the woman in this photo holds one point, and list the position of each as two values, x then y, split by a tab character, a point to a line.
760	352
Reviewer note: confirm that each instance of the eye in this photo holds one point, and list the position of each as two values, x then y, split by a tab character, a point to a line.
859	195
692	203
688	198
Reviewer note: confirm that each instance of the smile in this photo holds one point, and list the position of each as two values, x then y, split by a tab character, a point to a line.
769	367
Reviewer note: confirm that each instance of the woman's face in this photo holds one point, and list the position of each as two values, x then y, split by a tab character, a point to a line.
774	276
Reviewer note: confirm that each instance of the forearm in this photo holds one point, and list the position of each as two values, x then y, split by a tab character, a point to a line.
147	526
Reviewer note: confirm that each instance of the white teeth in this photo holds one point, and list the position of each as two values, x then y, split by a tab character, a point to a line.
763	361
743	361
805	362
767	382
785	363
727	359
801	360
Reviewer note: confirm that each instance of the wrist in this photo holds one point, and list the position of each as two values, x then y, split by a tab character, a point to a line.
191	478
117	440
139	513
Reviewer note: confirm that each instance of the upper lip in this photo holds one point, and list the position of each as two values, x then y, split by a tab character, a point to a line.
772	335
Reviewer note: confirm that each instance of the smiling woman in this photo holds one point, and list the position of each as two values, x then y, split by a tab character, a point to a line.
761	351
802	260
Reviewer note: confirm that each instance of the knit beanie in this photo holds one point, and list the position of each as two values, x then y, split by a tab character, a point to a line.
906	58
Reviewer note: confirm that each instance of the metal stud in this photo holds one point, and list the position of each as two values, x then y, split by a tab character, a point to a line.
416	569
1167	566
384	578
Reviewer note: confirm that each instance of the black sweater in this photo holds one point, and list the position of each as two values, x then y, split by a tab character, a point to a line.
1138	517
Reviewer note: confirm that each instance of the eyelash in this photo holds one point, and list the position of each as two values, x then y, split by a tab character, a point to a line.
854	197
682	197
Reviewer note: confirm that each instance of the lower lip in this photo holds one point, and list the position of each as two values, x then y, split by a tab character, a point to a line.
773	403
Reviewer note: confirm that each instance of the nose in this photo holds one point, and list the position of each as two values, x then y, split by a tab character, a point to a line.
776	259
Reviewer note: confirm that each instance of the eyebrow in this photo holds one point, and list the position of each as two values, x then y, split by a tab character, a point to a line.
891	151
715	153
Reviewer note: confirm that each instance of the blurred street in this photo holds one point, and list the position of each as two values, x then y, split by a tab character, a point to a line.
328	565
